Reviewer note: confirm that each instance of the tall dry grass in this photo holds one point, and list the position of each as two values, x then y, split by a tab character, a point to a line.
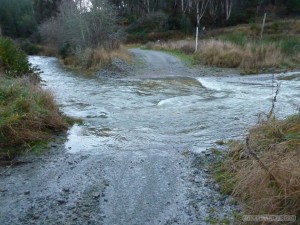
220	53
275	190
251	58
95	59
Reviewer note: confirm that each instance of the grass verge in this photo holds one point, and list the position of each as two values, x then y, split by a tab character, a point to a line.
28	117
264	173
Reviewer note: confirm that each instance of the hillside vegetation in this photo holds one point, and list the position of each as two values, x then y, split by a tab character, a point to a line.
241	47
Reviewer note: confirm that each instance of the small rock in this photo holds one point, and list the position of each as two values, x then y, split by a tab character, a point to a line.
61	201
96	195
86	214
71	207
199	198
66	189
35	216
217	187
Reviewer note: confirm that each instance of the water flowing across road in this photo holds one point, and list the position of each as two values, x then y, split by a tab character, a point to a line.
166	107
127	163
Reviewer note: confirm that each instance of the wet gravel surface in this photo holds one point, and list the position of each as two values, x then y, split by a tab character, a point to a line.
62	188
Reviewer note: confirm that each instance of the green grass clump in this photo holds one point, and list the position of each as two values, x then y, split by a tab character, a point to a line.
28	115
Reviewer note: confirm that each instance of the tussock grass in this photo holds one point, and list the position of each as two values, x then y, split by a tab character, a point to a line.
251	58
28	115
275	190
220	53
95	59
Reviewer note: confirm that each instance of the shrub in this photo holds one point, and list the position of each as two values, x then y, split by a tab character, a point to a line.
28	115
14	62
29	48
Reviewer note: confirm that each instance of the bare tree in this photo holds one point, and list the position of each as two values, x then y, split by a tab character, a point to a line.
201	6
228	8
83	25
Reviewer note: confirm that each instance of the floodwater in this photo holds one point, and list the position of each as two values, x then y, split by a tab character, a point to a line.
168	112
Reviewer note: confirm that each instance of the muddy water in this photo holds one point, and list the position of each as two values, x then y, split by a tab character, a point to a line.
137	114
133	146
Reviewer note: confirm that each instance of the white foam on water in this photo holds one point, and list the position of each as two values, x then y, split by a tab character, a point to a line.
180	100
210	83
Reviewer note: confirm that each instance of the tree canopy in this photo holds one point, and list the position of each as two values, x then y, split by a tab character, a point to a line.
21	18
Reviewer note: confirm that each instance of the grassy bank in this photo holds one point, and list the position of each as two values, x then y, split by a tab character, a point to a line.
263	173
28	114
241	47
93	60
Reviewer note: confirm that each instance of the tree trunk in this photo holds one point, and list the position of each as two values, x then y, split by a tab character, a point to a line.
197	35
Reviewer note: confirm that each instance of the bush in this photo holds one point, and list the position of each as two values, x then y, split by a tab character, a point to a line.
14	62
29	48
27	115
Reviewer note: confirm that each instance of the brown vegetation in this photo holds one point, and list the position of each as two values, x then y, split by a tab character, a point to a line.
268	183
241	47
252	58
95	59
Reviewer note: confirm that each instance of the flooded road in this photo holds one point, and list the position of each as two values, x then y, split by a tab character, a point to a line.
130	161
165	107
